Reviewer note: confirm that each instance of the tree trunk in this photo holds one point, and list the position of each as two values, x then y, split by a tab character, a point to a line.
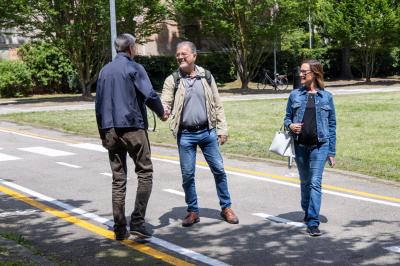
245	84
85	88
345	70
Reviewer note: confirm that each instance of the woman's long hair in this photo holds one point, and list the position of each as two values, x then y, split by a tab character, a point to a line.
318	71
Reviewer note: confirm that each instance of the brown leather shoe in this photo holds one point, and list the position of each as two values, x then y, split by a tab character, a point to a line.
190	219
229	216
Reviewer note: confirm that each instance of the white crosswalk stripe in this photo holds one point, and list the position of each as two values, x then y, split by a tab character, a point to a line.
89	146
69	165
46	151
6	157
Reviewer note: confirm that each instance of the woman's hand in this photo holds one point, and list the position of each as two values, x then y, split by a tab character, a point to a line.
222	139
296	127
331	161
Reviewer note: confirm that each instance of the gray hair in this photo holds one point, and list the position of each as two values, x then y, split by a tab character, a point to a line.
123	42
188	44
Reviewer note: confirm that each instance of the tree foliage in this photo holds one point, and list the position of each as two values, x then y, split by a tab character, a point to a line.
49	65
367	25
244	29
82	28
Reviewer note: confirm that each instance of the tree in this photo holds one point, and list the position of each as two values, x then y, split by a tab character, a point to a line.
81	28
245	29
367	25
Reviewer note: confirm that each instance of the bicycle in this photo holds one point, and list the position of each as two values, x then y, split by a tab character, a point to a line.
279	83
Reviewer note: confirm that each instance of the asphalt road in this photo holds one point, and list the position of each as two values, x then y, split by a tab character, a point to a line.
55	190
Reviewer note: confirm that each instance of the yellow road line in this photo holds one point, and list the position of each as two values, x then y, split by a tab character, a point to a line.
38	135
292	180
94	228
240	170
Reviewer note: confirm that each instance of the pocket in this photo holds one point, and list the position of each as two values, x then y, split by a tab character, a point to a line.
325	110
295	109
111	139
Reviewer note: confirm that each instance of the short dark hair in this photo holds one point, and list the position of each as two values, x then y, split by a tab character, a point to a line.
123	42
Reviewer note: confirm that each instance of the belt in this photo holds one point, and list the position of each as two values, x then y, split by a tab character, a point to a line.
309	146
194	128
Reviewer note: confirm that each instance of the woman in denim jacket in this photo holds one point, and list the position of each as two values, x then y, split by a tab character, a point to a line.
310	116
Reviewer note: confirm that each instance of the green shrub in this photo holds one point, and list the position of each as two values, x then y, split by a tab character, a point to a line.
15	79
158	68
50	67
219	65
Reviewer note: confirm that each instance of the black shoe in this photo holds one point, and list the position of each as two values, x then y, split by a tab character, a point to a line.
313	231
121	234
140	231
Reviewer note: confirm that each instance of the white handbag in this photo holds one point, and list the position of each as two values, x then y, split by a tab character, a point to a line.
283	144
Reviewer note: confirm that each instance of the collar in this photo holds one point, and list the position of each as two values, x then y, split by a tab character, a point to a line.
122	55
184	75
304	91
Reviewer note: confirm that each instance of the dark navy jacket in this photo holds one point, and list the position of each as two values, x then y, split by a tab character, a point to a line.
122	93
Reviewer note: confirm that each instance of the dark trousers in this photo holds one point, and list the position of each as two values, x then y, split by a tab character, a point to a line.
134	142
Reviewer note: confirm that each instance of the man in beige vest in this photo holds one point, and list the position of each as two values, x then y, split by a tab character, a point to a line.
198	119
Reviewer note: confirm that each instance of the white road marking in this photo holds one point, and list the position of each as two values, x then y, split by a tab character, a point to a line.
176	192
187	252
6	157
110	175
69	165
244	175
157	241
106	174
89	146
278	219
46	151
17	213
395	249
266	179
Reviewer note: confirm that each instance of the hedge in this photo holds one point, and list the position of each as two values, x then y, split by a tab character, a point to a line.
15	79
160	67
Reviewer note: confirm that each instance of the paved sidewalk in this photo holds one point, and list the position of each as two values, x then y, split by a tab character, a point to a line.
76	103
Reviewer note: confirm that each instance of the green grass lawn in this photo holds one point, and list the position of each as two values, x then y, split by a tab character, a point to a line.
368	140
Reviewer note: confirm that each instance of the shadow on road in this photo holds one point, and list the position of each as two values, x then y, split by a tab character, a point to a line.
65	243
269	243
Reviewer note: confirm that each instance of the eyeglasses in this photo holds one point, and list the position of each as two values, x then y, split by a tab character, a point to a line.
305	72
182	55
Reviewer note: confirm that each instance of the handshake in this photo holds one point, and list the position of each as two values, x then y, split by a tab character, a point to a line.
166	114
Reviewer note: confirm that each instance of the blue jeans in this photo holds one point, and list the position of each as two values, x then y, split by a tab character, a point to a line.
207	140
310	163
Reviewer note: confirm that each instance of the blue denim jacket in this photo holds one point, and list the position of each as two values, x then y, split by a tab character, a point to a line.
325	111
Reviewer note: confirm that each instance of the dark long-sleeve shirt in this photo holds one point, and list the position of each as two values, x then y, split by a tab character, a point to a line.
123	91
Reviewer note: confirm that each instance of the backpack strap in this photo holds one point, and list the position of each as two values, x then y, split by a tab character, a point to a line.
208	76
177	79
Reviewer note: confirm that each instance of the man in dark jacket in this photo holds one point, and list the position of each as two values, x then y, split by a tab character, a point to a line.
123	91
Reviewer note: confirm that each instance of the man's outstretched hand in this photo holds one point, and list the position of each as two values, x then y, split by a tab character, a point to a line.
166	113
